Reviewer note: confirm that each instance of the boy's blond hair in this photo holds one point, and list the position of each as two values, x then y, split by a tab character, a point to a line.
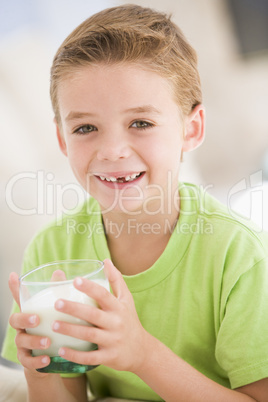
134	34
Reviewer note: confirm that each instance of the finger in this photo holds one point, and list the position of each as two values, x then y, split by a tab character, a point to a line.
20	321
118	285
92	358
85	312
14	286
102	296
30	362
58	275
27	341
83	332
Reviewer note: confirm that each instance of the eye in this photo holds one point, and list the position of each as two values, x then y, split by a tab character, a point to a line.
141	124
87	128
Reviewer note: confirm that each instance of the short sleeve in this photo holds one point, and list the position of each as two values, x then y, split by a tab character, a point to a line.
241	346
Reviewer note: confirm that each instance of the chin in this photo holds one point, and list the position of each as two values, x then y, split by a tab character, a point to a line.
130	208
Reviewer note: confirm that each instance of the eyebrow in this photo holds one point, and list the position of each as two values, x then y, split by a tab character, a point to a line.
78	115
140	109
143	109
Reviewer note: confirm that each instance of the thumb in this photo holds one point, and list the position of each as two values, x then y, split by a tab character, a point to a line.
115	278
14	286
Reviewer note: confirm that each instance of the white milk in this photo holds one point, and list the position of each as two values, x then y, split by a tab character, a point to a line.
42	304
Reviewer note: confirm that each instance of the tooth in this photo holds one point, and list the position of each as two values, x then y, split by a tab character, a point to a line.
113	179
102	178
127	178
107	178
133	176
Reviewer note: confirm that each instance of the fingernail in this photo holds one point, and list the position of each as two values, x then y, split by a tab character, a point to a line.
45	360
78	281
59	304
61	352
32	319
55	326
43	342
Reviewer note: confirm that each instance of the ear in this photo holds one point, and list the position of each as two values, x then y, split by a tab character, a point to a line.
194	131
61	140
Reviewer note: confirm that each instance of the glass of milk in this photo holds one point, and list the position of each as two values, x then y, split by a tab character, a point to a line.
39	290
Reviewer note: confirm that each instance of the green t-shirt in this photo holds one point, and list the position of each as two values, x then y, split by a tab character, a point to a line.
206	297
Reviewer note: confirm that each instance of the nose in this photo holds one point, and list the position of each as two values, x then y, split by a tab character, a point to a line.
113	147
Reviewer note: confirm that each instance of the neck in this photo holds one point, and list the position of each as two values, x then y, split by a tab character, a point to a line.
137	241
117	226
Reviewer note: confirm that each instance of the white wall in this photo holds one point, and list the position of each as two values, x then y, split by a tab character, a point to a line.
235	95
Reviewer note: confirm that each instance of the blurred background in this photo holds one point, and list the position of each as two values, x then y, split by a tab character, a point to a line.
36	183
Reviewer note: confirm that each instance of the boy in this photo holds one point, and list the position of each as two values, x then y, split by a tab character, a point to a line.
187	316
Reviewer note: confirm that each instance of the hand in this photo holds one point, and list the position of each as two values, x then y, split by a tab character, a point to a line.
116	329
25	342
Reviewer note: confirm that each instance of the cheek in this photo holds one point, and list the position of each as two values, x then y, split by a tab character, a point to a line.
166	162
78	161
167	153
77	153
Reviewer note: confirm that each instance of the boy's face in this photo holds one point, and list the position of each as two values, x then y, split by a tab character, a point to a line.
124	135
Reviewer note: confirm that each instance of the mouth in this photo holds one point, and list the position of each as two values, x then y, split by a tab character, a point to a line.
120	178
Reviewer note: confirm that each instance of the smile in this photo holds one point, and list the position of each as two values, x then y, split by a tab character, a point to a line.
120	179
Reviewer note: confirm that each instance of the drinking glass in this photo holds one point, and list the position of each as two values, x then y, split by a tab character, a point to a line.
39	290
